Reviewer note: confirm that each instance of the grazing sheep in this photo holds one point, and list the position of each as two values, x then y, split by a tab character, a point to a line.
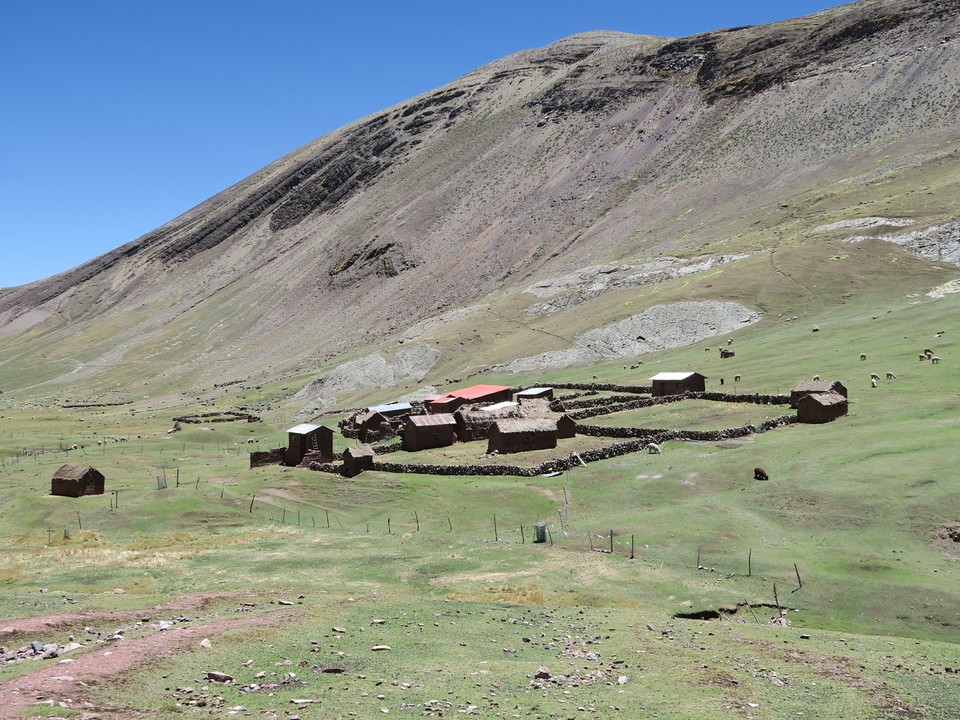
874	376
891	376
729	341
921	356
863	356
724	353
760	474
928	352
935	359
123	439
816	378
653	449
721	381
736	378
873	382
99	442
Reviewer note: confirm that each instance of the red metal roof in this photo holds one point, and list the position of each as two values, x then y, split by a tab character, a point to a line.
475	392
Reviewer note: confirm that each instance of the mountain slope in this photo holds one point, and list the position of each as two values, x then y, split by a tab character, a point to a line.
599	148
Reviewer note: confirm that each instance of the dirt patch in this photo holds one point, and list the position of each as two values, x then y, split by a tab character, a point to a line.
68	686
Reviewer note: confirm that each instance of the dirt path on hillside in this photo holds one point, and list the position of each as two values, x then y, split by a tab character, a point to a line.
68	685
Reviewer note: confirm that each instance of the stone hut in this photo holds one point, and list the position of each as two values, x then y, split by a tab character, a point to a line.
356	459
305	438
395	409
535	393
474	421
821	407
521	435
808	387
76	481
676	383
540	408
421	432
373	426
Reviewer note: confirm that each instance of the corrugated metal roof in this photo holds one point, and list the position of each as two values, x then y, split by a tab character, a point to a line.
438	419
390	407
303	429
478	391
672	376
496	407
534	391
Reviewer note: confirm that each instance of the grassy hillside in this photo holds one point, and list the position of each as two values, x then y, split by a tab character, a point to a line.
859	508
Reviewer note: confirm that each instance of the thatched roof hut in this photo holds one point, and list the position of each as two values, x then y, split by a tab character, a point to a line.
521	435
821	407
809	387
356	459
74	481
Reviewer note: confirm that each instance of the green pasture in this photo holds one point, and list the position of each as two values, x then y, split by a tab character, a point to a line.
858	508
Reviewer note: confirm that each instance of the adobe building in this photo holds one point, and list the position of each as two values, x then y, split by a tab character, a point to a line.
522	435
448	402
356	459
474	422
76	481
808	387
540	408
305	438
821	407
421	432
677	383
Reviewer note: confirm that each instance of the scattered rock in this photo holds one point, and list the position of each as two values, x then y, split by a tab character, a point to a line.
220	677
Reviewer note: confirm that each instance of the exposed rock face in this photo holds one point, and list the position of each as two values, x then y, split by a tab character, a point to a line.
372	371
659	328
941	242
599	147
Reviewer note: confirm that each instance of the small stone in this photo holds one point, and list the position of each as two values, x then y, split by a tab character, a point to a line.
217	676
542	674
622	680
118	591
338	629
285	602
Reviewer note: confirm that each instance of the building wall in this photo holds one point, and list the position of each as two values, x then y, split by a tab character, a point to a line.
416	437
512	442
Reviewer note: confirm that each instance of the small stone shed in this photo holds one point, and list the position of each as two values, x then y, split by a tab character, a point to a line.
540	408
474	421
357	459
75	481
521	435
809	387
534	393
676	383
421	432
821	407
304	438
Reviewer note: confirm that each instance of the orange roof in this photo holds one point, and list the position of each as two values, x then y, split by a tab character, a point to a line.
475	392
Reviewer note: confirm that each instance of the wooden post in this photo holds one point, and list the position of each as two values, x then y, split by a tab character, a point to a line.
417	518
283	516
751	611
197	486
298	517
222	486
116	503
799	583
327	513
590	538
178	476
631	547
449	523
611	542
776	599
496	537
750	563
523	540
251	502
314	520
698	558
388	526
550	535
79	523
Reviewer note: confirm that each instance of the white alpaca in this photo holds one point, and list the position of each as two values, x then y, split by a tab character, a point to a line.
816	378
874	376
653	449
873	382
736	378
935	359
863	356
891	376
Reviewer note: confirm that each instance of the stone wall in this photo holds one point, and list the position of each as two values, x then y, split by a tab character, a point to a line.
266	457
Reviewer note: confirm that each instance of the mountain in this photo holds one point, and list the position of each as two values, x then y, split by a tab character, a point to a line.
564	172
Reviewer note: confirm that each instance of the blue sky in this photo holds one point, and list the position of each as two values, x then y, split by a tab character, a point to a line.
118	115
